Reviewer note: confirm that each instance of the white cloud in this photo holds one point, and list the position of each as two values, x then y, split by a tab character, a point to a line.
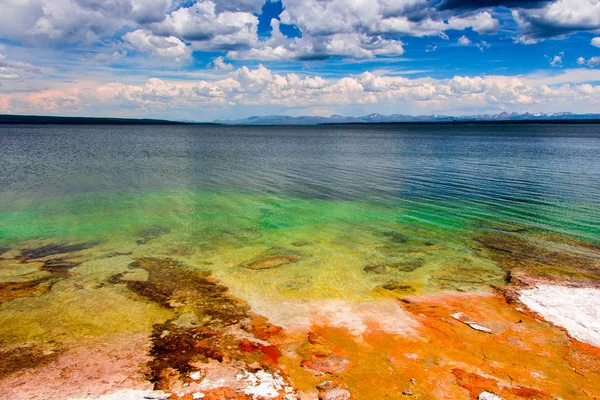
262	87
594	62
219	64
350	45
10	69
168	47
557	60
464	41
558	18
208	29
596	41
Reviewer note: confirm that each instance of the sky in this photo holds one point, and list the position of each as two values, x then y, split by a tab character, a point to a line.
212	59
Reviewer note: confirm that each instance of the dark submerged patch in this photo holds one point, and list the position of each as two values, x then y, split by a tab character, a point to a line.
270	260
59	266
204	311
395	237
540	259
53	249
375	269
176	348
152	232
3	250
407	266
397	287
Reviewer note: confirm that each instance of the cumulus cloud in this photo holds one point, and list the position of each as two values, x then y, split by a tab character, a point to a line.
168	47
592	62
347	28
596	41
557	60
262	87
219	64
202	24
558	18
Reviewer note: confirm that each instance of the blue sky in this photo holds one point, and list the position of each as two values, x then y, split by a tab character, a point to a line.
209	59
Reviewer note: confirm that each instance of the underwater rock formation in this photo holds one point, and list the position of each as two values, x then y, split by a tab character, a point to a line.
271	259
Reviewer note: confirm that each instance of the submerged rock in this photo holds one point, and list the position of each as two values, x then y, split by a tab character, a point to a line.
301	243
397	287
59	265
271	260
375	269
407	266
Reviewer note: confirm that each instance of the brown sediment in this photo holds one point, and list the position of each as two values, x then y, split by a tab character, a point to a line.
211	326
14	290
176	348
14	359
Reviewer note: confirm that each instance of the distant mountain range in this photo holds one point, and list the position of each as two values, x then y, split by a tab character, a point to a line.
402	118
554	118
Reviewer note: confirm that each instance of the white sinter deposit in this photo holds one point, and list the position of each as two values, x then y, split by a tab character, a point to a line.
575	309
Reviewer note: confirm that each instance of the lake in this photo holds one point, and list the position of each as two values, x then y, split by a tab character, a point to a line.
281	216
